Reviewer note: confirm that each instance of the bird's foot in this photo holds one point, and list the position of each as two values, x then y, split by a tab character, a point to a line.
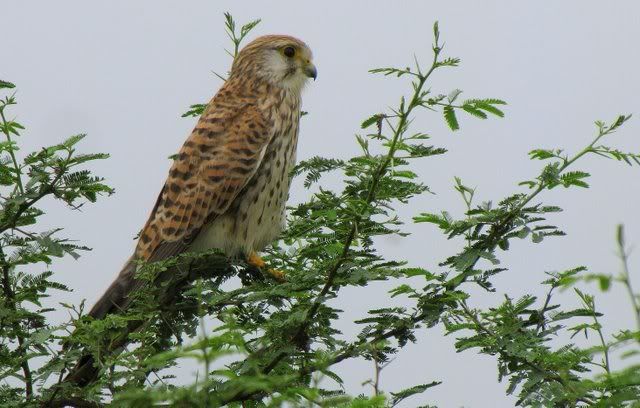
255	260
277	274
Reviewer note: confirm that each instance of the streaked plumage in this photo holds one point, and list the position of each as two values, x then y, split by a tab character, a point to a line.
228	186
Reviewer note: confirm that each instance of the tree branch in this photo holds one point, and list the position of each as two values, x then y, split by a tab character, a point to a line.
10	301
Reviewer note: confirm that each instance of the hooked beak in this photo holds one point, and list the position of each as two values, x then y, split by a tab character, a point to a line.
311	71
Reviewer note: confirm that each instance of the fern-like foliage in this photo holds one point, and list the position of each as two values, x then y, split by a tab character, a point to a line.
261	342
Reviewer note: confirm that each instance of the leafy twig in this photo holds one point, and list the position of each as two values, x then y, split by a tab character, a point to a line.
399	130
7	129
10	301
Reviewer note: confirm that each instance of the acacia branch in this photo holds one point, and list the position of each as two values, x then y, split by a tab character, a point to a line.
489	243
403	119
167	287
625	275
549	376
10	301
16	167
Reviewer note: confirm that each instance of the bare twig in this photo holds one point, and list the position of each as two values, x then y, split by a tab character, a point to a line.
625	275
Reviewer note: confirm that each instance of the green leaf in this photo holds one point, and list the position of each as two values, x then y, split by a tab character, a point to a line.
73	140
450	118
574	178
605	282
195	110
474	111
406	393
371	120
441	220
575	313
411	272
400	290
404	174
488	106
6	85
543	154
620	120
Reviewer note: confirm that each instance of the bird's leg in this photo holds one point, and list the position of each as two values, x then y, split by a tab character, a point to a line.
255	260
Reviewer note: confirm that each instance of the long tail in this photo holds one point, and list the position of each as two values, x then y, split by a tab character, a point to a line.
114	299
118	298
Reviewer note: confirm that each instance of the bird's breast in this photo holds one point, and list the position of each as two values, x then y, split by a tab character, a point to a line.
256	217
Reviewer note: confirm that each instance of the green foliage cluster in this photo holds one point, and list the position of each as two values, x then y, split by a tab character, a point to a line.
267	343
57	172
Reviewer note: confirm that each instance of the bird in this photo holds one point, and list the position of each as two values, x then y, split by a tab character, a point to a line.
228	185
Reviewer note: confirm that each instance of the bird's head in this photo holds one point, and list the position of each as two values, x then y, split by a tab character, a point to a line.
279	59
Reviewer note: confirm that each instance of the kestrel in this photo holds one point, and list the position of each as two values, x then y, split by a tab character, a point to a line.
228	185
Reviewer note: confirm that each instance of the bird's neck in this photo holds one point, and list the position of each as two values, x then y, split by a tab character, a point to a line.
264	86
272	99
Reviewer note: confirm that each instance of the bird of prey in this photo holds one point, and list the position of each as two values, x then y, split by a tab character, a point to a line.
228	185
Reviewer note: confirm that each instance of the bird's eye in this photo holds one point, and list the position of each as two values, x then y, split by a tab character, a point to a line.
289	52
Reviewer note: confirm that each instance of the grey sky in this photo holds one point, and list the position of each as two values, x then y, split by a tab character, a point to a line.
123	72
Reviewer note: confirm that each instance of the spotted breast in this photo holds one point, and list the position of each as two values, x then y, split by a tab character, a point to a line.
256	217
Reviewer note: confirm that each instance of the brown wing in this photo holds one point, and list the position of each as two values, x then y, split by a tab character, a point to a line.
215	163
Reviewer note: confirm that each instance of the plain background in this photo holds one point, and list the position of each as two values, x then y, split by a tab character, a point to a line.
123	72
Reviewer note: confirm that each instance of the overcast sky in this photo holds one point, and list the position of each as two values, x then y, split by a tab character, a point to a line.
123	72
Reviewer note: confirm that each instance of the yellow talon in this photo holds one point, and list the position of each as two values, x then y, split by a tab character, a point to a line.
276	274
255	260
